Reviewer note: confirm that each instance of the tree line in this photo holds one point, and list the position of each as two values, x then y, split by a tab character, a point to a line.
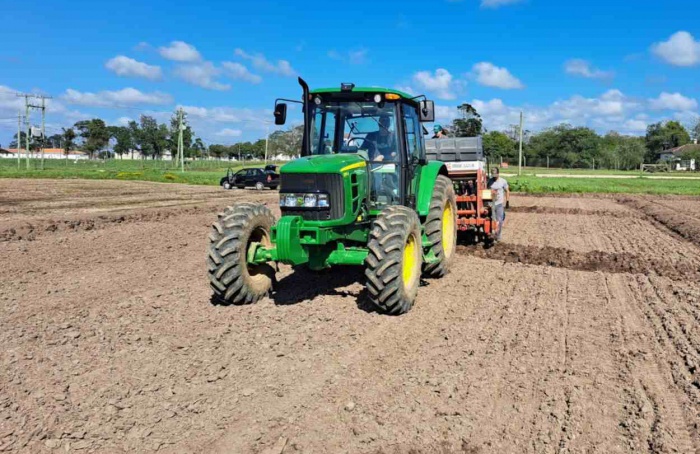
563	145
146	136
570	146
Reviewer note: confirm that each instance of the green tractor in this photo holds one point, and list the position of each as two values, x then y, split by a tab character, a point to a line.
362	193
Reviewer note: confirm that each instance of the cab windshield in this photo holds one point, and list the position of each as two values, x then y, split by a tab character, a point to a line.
360	127
365	128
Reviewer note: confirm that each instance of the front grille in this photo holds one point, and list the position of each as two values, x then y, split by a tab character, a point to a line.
330	183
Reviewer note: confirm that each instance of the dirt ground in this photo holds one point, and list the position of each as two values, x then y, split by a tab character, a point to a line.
580	332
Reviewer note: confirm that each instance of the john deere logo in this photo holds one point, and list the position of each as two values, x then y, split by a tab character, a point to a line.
300	200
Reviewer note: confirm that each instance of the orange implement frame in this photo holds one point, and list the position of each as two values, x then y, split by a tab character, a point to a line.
473	212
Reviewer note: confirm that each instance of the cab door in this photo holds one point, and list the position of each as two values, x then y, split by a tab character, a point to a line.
415	151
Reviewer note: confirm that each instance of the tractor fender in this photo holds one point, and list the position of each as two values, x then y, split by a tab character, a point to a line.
426	182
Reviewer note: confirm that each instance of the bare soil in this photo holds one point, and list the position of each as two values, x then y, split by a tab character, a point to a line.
580	332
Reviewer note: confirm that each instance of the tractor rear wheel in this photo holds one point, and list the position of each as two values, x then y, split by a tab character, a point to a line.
232	279
441	226
394	260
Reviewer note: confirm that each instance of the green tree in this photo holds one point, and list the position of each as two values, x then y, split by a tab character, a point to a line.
95	135
68	140
470	123
198	148
663	136
124	139
566	146
218	151
498	145
151	138
34	143
53	141
287	143
694	130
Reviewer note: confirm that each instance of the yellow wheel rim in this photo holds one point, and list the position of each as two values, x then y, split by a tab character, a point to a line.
448	229
410	261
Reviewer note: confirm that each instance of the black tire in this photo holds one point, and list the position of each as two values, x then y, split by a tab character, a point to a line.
259	186
232	280
274	188
442	199
227	185
395	235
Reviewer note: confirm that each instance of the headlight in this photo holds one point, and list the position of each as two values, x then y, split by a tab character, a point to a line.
323	201
310	200
304	200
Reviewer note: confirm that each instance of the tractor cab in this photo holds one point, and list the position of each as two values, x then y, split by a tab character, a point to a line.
381	127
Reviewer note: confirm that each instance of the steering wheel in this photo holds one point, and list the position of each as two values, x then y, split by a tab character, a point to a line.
352	139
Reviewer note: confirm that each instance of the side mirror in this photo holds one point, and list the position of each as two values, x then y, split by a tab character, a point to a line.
280	113
427	111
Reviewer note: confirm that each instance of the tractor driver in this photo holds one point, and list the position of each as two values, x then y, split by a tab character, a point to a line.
381	144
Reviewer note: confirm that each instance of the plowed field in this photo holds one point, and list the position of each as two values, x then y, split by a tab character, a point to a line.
579	332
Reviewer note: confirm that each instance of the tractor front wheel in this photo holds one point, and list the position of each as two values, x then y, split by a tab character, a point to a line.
441	226
394	260
232	279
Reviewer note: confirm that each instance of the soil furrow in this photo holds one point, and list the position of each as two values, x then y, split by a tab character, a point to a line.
610	262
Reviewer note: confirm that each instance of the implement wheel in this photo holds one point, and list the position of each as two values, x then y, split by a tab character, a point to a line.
394	260
441	226
232	279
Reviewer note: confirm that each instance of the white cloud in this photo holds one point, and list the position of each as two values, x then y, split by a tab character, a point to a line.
126	96
583	68
180	51
406	89
236	70
202	75
128	67
229	115
282	67
681	49
611	110
354	57
673	101
634	125
491	75
142	46
228	132
498	3
123	121
440	83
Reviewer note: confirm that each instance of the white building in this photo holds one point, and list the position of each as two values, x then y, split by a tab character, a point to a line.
49	153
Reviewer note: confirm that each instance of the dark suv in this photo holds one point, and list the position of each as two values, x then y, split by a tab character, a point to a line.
252	178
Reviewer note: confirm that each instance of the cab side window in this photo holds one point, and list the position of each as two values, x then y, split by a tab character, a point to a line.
413	130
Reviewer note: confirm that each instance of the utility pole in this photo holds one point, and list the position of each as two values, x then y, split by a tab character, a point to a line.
180	143
267	139
19	139
520	153
26	126
43	130
27	106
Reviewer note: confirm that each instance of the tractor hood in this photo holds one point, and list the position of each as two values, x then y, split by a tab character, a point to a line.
330	163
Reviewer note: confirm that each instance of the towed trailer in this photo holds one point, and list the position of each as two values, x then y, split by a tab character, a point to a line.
468	169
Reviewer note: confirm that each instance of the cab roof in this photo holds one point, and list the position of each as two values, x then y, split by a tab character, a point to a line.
362	90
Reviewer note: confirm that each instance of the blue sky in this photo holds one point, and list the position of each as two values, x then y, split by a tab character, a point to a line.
606	64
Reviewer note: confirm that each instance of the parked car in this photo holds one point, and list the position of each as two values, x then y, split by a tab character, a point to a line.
252	178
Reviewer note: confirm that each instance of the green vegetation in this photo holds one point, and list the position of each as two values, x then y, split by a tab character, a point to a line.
210	172
567	146
639	185
197	172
